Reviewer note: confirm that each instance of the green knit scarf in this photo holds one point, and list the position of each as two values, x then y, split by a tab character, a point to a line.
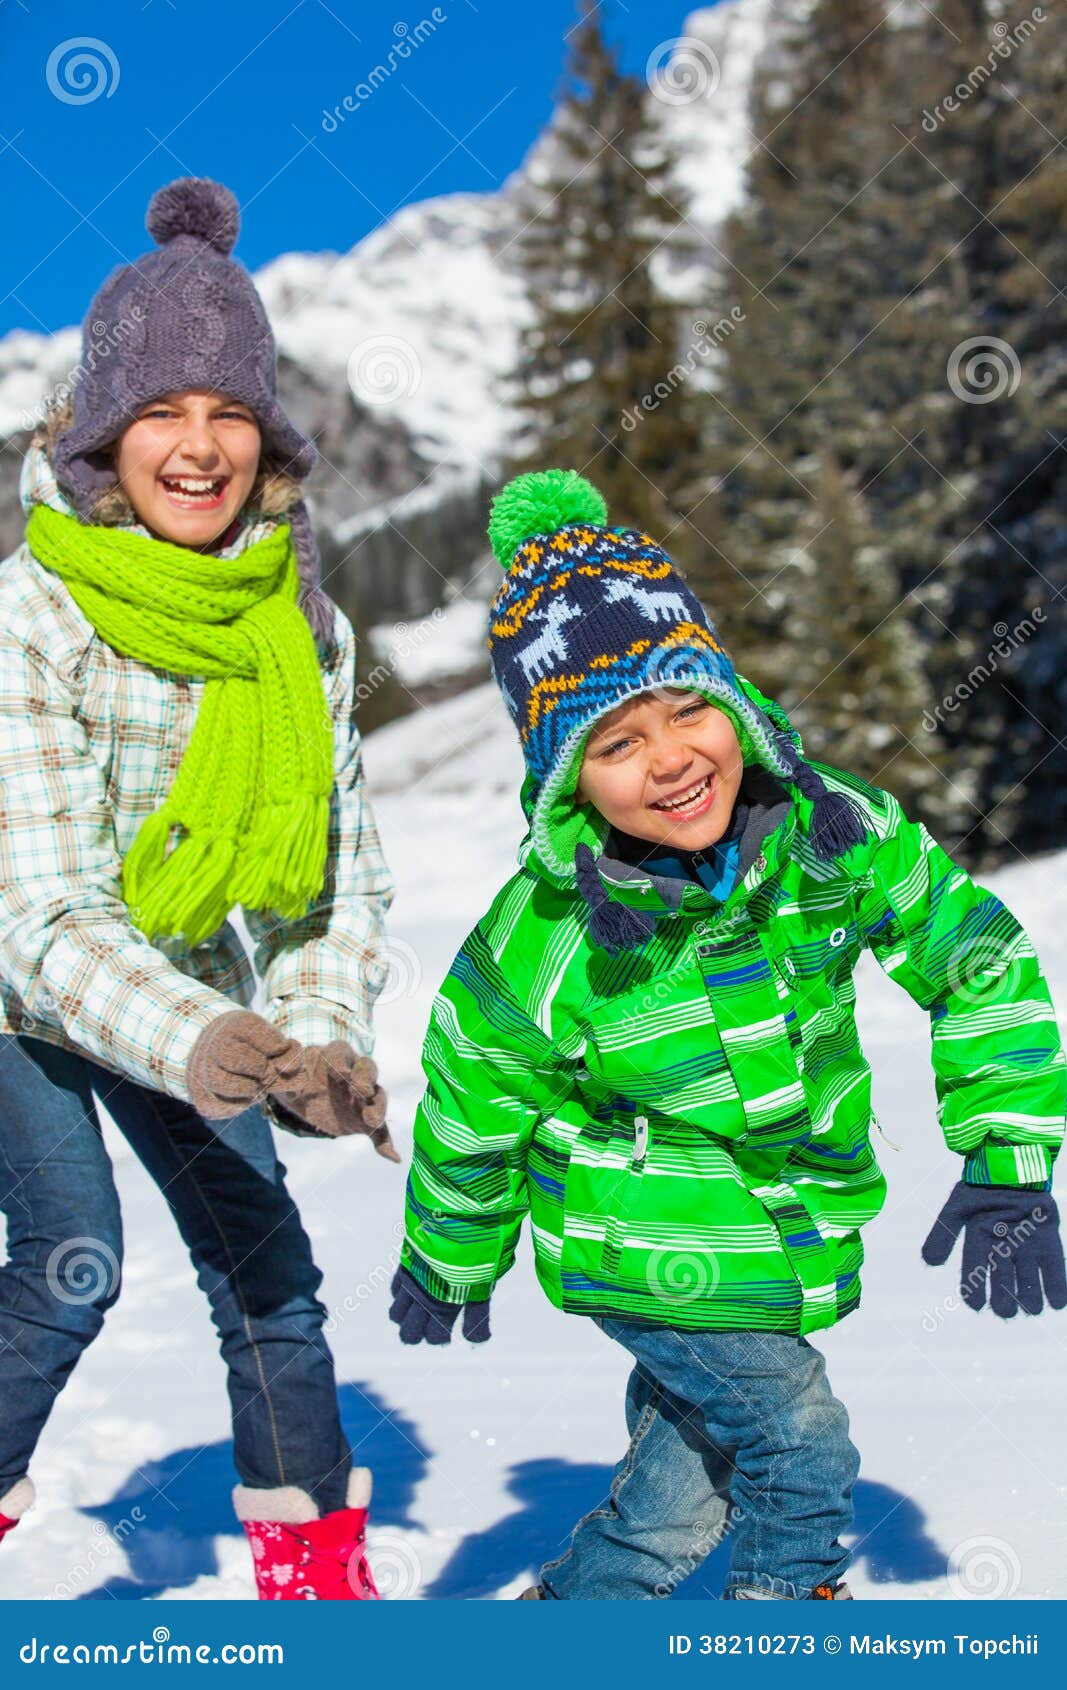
252	795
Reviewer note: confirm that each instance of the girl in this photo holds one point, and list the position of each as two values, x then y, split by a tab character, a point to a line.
175	740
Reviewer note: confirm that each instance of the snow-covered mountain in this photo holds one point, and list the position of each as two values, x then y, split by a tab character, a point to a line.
394	354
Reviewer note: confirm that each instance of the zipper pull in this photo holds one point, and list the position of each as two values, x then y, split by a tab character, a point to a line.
640	1137
881	1134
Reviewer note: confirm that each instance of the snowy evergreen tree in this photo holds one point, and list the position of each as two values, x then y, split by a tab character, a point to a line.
810	265
602	200
853	645
998	186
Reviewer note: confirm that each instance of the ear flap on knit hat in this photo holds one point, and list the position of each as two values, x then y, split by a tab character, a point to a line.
317	607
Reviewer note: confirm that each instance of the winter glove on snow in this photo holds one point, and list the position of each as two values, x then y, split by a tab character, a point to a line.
235	1061
1011	1237
334	1093
421	1316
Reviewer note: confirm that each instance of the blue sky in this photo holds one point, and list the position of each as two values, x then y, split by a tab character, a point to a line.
241	92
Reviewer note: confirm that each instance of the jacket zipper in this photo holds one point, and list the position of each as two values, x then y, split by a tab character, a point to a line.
881	1134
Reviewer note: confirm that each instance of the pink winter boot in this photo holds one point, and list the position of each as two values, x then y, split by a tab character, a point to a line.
14	1504
302	1556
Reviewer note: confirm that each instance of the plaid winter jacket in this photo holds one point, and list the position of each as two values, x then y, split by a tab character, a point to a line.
688	1124
90	742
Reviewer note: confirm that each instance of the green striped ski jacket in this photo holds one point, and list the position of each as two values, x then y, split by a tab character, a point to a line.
688	1124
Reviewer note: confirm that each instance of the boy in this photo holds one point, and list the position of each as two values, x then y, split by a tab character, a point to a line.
649	1042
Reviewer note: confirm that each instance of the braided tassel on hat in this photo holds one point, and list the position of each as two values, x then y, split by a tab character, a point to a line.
835	823
317	607
613	926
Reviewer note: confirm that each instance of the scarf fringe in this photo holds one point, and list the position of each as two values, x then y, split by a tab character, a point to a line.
835	826
188	895
283	862
145	857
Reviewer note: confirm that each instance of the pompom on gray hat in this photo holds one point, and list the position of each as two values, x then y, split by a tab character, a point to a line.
185	316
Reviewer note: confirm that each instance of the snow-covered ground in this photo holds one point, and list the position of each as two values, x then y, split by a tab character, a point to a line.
484	1457
450	641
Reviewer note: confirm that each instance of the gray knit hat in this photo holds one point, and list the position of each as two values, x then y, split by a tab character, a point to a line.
184	316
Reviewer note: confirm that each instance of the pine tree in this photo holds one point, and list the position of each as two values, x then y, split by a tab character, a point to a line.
602	334
807	386
999	178
858	671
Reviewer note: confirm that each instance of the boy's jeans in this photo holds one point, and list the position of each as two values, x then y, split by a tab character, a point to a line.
730	1432
226	1190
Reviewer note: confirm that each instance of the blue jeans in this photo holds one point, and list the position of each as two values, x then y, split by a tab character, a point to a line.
226	1190
731	1433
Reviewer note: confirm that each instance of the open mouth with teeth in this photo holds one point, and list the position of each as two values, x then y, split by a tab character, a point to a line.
195	492
694	801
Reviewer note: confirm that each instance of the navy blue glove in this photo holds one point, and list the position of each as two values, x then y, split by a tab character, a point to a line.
1011	1238
421	1316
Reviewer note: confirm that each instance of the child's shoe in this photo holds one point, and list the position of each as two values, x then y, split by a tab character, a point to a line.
300	1556
838	1592
14	1504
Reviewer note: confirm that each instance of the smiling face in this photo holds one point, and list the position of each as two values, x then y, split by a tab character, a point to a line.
666	767
187	464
